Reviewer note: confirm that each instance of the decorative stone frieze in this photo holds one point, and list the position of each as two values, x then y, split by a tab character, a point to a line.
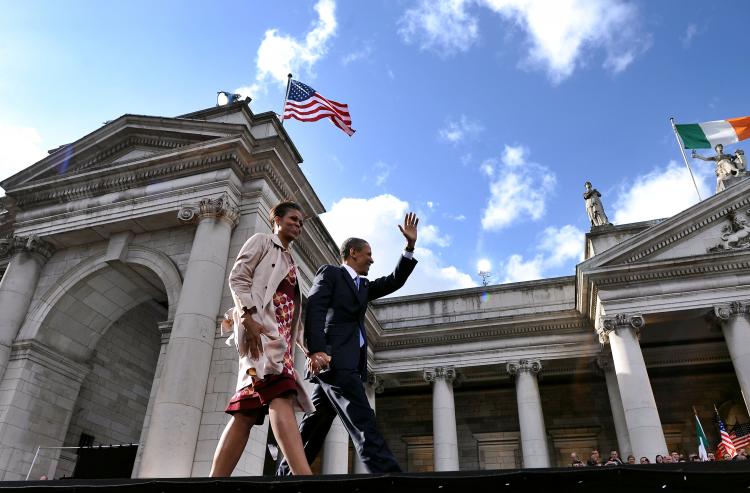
532	366
619	321
29	244
446	373
217	208
726	311
735	235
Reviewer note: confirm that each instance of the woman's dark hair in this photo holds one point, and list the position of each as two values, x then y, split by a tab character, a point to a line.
348	244
282	208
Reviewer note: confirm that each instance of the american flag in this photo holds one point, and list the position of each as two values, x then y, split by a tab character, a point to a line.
740	435
727	445
305	104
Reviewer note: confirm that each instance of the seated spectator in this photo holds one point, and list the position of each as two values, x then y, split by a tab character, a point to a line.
667	459
659	459
575	461
631	459
741	455
675	456
614	459
711	457
694	458
644	460
594	459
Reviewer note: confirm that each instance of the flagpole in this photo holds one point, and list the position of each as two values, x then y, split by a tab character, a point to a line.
286	96
684	157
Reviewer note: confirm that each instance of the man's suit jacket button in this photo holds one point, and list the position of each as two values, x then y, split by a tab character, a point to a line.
273	265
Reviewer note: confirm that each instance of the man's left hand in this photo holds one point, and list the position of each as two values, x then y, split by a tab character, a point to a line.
409	229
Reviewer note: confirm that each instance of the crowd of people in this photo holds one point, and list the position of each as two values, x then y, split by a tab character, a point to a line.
614	459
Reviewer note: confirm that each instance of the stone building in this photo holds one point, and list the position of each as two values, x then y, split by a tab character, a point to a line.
114	259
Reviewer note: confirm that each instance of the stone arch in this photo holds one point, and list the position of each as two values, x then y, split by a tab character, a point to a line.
154	261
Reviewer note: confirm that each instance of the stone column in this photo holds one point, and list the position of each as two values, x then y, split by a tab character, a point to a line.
530	416
607	367
735	323
173	429
641	415
445	438
374	386
29	254
336	449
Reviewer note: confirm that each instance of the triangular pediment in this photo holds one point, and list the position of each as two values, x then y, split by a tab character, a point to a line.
717	226
129	138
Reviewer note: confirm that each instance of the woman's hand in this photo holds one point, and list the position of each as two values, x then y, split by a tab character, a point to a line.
252	335
318	362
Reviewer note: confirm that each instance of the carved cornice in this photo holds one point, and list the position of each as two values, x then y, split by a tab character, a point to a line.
446	373
49	358
135	140
532	366
118	182
473	334
28	244
651	249
726	311
211	208
619	321
651	274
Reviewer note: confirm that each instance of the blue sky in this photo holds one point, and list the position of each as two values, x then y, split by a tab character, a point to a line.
484	116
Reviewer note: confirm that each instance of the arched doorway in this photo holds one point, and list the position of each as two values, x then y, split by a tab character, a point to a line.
91	350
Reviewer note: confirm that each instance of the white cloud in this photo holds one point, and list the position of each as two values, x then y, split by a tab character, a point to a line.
430	204
661	193
556	247
382	172
488	168
561	245
20	147
361	54
519	189
440	25
455	217
559	32
517	269
484	265
690	33
280	54
430	235
456	131
376	219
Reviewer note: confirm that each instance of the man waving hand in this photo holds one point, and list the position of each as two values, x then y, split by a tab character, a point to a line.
335	337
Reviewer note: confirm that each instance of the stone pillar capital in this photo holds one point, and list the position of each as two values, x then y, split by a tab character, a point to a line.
619	321
446	373
532	366
29	244
728	310
211	208
376	382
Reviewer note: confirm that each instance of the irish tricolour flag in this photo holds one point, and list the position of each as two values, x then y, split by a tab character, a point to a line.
707	135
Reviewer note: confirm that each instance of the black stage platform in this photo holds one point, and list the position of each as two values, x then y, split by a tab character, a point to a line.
722	477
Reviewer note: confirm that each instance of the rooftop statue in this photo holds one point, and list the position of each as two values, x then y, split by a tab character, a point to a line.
728	166
594	206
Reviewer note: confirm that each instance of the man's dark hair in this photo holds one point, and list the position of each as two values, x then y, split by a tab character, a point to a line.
349	243
282	208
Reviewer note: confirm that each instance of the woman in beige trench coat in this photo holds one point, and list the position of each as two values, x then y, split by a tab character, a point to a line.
266	324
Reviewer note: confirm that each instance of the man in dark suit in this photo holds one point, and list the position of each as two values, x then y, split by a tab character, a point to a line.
337	348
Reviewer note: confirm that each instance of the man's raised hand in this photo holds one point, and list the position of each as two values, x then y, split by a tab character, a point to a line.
409	229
